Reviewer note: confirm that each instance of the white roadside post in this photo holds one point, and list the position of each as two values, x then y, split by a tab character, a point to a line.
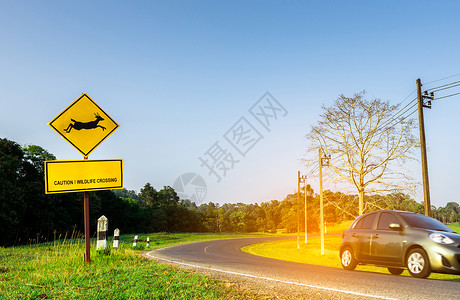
116	238
102	226
135	241
148	242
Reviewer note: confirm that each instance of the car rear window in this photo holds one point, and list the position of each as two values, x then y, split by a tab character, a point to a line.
421	221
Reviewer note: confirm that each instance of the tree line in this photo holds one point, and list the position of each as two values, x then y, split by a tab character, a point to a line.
28	215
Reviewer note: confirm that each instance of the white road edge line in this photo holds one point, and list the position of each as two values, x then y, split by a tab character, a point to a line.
268	278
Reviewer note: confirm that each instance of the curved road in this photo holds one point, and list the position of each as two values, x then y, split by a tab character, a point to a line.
225	258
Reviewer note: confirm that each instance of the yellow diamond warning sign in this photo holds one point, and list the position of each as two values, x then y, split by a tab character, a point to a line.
84	124
64	176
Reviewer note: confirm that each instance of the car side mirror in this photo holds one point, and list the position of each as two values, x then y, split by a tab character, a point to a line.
395	226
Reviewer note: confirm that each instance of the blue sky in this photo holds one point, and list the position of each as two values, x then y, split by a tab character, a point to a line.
178	75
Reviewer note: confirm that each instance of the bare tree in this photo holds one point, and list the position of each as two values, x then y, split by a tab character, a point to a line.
368	145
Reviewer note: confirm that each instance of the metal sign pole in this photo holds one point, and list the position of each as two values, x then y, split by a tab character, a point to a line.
87	236
86	219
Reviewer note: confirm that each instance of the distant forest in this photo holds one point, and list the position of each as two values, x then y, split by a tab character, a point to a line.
28	215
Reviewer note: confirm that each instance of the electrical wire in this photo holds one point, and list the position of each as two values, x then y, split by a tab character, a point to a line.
408	110
414	111
444	87
398	117
455	75
448	96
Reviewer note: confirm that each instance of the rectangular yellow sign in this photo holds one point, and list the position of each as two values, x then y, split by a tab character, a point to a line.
65	176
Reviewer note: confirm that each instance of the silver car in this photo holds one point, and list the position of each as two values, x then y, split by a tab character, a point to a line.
399	240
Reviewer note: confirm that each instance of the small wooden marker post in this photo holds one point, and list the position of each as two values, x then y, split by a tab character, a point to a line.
135	241
102	227
116	238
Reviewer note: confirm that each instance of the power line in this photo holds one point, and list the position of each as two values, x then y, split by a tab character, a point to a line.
447	96
414	111
444	87
442	79
407	97
408	110
398	117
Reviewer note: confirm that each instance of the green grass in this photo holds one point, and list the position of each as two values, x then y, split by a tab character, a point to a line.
311	252
57	271
455	227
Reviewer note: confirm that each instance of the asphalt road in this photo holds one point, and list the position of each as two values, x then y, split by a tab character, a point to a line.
224	257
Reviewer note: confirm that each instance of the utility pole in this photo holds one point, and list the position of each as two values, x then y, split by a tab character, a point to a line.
298	209
321	203
303	179
323	161
426	185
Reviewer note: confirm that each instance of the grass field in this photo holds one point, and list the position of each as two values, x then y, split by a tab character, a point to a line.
311	252
455	226
57	271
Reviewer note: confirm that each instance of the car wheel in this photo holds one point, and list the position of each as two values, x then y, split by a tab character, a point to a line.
347	259
418	263
395	271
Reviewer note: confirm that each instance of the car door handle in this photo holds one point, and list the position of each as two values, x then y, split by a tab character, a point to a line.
354	235
375	236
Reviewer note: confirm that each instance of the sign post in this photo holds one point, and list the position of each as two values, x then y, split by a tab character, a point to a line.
85	126
87	233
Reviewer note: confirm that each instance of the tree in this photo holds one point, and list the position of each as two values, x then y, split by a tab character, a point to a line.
148	195
37	156
366	142
12	203
128	194
210	216
167	197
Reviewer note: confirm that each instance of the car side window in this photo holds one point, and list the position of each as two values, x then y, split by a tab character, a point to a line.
366	222
385	220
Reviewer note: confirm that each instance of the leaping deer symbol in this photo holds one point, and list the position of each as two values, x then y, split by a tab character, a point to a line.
85	125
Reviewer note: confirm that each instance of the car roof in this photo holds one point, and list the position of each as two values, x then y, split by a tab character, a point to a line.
386	210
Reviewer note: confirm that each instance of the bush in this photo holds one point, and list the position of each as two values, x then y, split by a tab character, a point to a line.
104	252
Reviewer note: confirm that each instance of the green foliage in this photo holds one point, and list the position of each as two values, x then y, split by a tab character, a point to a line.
13	171
52	272
127	194
28	216
148	195
139	247
104	251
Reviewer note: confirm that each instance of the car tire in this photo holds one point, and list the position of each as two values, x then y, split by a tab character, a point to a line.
418	264
395	271
348	259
